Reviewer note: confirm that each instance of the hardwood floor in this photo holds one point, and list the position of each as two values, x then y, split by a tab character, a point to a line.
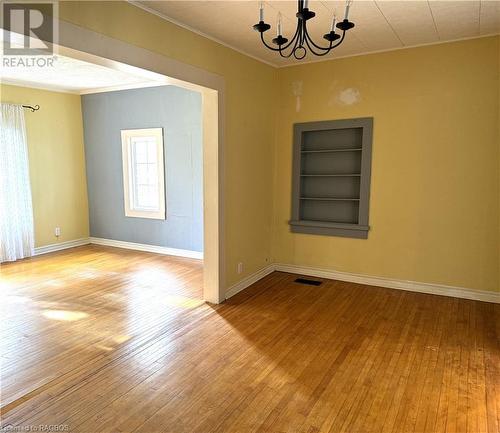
99	339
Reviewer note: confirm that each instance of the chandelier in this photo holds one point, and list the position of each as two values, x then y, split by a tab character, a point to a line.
301	40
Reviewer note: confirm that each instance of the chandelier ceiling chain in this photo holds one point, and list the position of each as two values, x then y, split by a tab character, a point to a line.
301	40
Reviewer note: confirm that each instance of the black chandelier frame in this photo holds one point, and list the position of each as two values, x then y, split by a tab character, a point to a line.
301	39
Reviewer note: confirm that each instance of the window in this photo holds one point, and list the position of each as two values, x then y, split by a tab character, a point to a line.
143	173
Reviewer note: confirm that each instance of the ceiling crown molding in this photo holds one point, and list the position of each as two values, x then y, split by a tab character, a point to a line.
198	32
161	15
388	50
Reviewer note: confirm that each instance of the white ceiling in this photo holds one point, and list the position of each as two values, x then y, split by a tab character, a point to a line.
77	76
380	25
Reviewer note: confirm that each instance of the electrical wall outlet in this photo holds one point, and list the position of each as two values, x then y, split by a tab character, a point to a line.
57	231
240	268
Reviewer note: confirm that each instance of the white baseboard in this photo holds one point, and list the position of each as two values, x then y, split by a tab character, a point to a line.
248	281
149	248
61	246
412	286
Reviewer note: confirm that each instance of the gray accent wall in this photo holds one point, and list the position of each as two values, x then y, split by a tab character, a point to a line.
178	112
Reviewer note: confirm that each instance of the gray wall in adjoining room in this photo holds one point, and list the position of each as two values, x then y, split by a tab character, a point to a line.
178	112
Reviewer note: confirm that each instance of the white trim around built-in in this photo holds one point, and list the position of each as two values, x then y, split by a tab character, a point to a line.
61	246
148	248
412	286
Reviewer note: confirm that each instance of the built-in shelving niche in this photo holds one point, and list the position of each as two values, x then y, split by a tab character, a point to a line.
331	177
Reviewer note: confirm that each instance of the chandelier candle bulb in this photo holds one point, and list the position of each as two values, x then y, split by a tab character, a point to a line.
279	26
334	21
306	4
261	11
347	6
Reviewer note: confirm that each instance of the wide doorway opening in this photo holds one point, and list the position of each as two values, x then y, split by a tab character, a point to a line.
132	155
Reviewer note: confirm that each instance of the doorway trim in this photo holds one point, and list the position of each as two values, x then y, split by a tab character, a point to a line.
75	41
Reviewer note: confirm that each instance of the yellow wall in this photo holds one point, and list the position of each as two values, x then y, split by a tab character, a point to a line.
57	163
249	123
434	207
434	210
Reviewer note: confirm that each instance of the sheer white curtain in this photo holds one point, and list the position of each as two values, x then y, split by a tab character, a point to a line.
16	210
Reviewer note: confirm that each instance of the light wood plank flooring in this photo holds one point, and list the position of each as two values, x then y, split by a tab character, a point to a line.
107	340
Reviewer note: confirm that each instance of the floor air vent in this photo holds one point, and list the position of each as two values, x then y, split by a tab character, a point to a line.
309	282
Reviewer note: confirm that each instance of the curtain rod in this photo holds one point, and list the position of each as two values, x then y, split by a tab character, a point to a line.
32	108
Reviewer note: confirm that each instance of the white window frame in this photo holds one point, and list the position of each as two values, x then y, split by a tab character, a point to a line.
128	179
